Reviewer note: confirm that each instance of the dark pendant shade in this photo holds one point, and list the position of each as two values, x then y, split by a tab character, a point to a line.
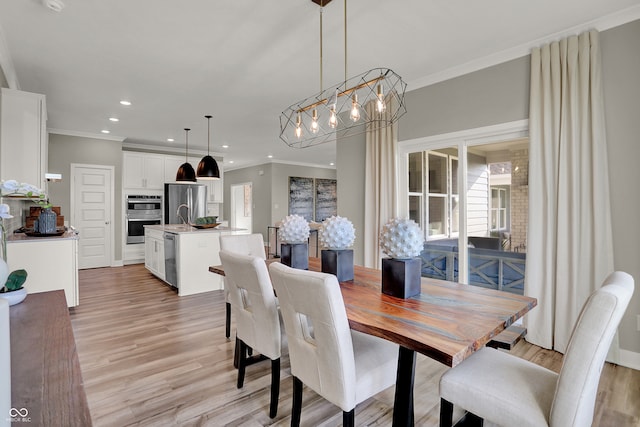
208	168
186	173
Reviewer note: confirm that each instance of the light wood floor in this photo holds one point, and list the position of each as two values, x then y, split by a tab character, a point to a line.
151	358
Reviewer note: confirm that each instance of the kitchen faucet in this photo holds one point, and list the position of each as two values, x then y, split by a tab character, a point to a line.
180	216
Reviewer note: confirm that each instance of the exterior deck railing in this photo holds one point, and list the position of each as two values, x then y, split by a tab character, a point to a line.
488	268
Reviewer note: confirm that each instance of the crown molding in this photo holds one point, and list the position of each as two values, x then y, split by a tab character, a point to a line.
228	167
601	24
86	134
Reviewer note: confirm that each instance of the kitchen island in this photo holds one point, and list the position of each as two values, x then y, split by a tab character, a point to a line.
180	255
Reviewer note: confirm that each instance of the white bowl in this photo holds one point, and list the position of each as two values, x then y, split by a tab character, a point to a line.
15	297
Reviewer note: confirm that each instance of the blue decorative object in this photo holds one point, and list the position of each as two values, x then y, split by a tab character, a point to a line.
47	221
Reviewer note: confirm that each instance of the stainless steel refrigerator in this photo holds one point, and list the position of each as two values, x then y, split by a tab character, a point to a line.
190	198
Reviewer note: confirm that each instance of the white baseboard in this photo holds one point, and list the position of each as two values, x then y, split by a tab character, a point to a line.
117	263
630	359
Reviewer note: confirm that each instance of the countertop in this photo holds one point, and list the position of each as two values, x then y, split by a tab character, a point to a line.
21	237
187	229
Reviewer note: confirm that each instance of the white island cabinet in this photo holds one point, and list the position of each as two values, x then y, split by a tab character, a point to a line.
51	263
195	251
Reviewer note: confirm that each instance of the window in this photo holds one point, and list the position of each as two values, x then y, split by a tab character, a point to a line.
498	209
433	194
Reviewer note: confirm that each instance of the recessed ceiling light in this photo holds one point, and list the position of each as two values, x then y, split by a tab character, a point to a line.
230	161
225	146
114	119
124	102
332	164
170	139
270	156
105	131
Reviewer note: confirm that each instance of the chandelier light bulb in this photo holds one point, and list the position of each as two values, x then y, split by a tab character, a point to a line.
355	108
298	130
333	118
380	104
314	122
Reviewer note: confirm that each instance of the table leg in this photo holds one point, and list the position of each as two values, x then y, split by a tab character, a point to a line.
403	402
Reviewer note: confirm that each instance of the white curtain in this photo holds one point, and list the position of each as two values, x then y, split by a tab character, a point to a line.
570	249
380	184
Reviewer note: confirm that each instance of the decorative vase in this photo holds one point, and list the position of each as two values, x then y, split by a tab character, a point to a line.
47	221
401	277
295	255
338	262
14	297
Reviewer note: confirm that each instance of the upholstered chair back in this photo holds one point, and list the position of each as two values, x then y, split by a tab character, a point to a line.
575	396
255	305
320	344
245	244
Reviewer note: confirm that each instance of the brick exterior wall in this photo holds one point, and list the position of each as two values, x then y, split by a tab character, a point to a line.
519	199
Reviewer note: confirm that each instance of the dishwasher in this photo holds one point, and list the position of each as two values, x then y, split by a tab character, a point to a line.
170	253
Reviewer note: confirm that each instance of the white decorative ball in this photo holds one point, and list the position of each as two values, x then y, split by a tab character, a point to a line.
401	239
336	232
294	229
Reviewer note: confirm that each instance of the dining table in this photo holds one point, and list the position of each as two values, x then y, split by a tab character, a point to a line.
447	322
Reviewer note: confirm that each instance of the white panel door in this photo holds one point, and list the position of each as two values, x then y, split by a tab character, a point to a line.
91	204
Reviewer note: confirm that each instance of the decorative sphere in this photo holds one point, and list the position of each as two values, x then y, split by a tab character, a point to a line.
337	232
294	229
401	239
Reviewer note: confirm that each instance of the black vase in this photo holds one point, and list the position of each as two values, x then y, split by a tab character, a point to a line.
401	277
295	255
338	262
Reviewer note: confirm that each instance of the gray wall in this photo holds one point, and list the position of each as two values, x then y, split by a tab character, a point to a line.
64	150
270	190
260	178
621	74
500	94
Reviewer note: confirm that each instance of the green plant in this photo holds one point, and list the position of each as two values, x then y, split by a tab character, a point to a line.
15	281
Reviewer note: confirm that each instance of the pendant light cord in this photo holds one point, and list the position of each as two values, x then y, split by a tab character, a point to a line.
186	145
208	133
321	49
345	44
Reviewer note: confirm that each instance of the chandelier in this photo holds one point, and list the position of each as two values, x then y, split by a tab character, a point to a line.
375	97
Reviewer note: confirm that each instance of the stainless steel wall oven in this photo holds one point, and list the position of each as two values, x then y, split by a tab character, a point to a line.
141	210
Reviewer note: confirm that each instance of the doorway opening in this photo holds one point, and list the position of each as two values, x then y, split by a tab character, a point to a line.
241	211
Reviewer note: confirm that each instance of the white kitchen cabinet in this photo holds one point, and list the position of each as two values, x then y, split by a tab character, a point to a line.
143	170
51	264
154	252
215	187
171	165
23	136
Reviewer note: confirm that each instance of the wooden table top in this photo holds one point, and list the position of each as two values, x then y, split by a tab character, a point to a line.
448	321
45	371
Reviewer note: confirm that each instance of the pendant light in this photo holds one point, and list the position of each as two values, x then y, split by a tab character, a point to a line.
208	167
185	171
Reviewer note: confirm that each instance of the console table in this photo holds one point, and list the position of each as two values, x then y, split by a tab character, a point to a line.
45	371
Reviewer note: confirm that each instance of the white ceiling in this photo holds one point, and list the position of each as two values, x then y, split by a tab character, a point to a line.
245	61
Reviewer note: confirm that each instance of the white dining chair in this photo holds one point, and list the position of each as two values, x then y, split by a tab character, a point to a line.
343	366
257	317
245	244
509	391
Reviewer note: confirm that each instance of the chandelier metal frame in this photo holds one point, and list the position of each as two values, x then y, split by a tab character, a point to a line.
344	107
300	114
